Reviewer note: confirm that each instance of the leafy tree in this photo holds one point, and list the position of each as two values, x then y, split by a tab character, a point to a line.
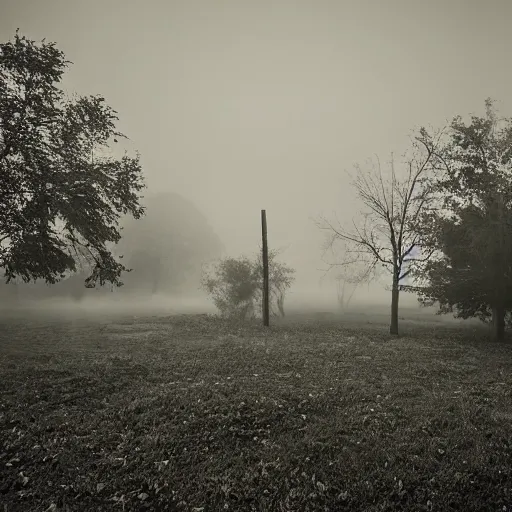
61	197
232	284
385	236
471	230
472	275
235	285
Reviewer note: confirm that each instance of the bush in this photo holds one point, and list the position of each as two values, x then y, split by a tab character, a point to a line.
236	286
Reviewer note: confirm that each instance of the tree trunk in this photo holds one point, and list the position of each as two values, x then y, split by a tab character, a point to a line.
341	295
498	322
154	287
280	304
393	329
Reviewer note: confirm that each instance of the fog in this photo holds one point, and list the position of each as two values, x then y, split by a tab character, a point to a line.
241	106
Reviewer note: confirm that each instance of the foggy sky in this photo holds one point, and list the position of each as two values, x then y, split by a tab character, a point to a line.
241	105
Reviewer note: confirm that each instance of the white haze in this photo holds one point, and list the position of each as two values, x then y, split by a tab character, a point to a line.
239	106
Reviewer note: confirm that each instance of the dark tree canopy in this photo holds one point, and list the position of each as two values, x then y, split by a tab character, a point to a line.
473	273
61	196
472	228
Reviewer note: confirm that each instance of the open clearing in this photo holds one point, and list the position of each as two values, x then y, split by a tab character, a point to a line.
196	414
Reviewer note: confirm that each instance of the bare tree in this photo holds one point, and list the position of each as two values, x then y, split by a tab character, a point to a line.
386	235
345	293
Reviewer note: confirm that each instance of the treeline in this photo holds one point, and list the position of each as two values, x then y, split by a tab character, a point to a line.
165	252
442	217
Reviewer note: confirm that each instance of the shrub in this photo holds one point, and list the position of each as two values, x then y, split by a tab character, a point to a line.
236	285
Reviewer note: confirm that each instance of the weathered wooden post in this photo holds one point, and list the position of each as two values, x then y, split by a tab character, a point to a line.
266	309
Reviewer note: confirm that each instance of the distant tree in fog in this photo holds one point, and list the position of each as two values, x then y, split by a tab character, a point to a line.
235	285
386	234
345	289
61	197
169	246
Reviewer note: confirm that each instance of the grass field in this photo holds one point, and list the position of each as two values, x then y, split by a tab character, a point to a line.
196	414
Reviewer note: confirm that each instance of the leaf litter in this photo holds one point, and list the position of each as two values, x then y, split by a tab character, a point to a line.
234	417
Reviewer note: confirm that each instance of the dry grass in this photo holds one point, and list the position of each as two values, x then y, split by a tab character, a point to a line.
193	413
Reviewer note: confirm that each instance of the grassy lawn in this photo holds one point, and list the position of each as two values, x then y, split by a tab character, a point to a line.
195	414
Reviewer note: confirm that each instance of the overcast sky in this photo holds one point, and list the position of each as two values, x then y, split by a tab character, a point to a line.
243	105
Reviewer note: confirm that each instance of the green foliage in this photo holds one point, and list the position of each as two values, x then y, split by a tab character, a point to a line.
61	197
236	285
472	228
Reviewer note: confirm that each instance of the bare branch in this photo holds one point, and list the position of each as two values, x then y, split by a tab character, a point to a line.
386	232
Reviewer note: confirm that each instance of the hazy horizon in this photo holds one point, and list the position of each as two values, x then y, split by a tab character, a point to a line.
243	106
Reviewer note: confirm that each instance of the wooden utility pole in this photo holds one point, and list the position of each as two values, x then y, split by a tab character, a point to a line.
266	309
